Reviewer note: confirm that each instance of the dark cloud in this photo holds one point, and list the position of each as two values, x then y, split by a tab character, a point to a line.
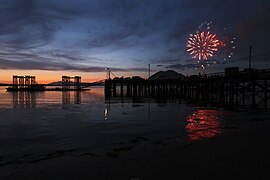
128	23
25	24
256	58
30	65
26	61
182	66
167	60
254	30
66	55
195	65
160	65
34	33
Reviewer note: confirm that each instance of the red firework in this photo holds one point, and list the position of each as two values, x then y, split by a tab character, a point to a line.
202	45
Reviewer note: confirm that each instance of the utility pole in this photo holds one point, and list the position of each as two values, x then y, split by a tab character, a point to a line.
148	71
250	51
249	64
108	73
149	94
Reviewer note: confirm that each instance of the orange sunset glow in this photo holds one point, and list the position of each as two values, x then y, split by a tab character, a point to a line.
44	77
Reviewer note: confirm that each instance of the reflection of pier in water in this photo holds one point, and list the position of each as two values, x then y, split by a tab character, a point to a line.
24	99
66	98
203	123
28	99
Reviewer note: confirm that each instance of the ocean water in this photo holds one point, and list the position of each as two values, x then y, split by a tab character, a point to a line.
36	126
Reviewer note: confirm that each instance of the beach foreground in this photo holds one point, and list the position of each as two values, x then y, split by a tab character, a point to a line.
239	153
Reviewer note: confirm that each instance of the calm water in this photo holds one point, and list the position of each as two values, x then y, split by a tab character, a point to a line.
40	125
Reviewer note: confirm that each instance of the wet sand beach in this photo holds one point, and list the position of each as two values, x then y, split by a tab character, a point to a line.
238	154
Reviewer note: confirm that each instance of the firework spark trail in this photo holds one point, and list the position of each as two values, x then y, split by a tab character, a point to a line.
202	45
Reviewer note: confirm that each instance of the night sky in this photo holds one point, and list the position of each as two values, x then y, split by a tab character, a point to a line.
56	37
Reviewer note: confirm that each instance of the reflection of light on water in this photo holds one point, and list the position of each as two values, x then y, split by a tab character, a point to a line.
106	114
106	111
203	124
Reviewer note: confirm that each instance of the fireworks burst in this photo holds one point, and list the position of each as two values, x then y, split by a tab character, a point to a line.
202	45
229	42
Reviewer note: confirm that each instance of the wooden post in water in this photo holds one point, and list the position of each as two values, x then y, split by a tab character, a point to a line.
128	89
243	93
265	93
231	92
134	89
108	88
114	89
122	86
236	92
253	92
146	87
249	64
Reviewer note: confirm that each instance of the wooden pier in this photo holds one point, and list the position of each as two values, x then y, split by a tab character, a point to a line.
247	88
28	83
